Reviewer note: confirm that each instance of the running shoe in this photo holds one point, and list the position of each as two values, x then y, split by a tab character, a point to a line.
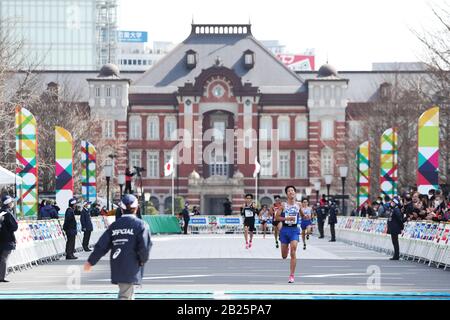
291	279
250	244
307	237
246	246
276	244
304	246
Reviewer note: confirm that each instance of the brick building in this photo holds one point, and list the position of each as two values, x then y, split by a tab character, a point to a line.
222	78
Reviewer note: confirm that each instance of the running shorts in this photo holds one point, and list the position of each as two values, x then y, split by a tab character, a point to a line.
305	224
250	223
288	234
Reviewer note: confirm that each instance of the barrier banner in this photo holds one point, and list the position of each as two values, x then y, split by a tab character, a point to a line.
64	167
388	163
428	151
26	160
88	171
363	173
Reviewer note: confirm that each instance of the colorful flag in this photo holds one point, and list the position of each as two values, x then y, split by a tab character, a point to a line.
26	160
428	151
88	173
363	174
388	163
64	167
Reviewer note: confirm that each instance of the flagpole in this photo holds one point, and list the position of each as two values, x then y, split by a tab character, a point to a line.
256	190
173	199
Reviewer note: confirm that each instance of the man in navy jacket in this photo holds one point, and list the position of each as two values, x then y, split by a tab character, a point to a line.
395	225
128	238
86	225
70	228
7	239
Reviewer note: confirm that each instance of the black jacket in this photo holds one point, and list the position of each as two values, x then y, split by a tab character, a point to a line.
186	216
49	212
395	221
128	238
70	224
8	226
321	214
85	219
332	215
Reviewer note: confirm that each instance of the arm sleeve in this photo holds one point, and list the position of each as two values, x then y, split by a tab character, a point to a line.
101	247
144	244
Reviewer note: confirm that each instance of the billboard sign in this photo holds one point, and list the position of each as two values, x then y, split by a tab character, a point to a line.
132	36
297	62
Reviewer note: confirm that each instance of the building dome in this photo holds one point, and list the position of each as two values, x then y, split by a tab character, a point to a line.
194	175
109	70
327	70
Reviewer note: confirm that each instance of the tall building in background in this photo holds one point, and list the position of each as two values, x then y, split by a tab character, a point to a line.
134	53
63	34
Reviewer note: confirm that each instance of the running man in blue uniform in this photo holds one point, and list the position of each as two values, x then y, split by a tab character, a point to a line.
289	214
306	222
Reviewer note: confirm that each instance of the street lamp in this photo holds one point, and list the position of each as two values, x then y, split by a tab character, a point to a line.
328	180
343	171
308	191
121	181
108	174
147	199
317	188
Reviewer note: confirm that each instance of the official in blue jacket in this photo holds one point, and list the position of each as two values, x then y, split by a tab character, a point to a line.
86	225
70	228
8	225
395	225
128	238
48	211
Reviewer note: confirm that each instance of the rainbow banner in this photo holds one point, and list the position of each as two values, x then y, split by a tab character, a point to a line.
64	167
88	173
428	151
389	163
26	160
363	174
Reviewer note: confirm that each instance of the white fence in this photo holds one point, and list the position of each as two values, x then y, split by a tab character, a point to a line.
40	241
222	224
424	241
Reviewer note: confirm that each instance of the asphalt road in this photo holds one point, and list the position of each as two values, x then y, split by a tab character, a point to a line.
219	265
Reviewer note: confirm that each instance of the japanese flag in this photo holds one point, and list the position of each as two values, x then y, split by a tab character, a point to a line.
257	168
168	168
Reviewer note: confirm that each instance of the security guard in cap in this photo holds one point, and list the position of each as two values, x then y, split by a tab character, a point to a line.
395	225
70	228
130	244
8	225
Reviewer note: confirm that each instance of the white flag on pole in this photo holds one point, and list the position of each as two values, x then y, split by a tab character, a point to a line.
168	168
257	168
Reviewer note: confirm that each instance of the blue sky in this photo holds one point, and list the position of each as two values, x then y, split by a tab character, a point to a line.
350	33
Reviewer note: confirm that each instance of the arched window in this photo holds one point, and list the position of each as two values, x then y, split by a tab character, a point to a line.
135	131
153	128
168	205
301	128
265	128
327	161
155	203
284	128
170	126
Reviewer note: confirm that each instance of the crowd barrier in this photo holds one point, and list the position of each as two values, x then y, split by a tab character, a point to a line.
40	241
424	241
222	224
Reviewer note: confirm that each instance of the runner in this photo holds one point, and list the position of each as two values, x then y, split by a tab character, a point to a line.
264	215
275	223
289	214
306	222
249	211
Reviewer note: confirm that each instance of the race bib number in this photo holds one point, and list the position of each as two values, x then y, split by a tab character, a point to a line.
248	213
291	215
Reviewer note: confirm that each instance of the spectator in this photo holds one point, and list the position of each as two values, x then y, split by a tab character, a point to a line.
323	200
196	211
227	207
332	219
367	210
128	178
95	211
48	211
408	207
8	225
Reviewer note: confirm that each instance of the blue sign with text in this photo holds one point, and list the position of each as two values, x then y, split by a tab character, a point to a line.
132	36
